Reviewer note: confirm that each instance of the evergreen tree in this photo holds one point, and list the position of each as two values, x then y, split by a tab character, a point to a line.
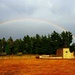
66	38
55	41
10	43
16	46
0	50
72	47
7	50
3	44
0	47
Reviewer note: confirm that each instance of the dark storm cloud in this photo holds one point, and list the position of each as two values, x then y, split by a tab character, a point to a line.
61	12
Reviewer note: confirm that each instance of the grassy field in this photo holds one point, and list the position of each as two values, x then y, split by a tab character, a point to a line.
29	65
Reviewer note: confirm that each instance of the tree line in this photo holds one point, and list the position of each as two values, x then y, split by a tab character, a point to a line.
37	44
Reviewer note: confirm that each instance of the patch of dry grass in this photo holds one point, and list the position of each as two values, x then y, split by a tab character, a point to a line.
33	66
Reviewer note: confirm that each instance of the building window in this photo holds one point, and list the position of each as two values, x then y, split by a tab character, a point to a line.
66	51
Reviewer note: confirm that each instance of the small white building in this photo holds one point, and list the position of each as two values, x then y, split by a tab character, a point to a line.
65	53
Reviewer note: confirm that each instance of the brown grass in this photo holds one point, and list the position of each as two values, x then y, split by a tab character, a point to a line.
33	66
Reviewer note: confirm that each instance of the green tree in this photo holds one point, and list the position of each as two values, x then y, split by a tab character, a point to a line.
49	47
3	44
16	47
10	43
44	45
15	51
72	47
0	50
55	41
7	50
37	44
0	47
66	38
27	44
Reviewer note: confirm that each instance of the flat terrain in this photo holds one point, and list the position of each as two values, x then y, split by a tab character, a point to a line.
33	66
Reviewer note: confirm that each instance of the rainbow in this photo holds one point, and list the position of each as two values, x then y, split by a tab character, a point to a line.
34	20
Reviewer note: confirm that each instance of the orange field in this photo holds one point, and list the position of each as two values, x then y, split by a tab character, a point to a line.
33	66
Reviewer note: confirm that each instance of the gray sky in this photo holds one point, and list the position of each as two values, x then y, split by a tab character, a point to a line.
58	12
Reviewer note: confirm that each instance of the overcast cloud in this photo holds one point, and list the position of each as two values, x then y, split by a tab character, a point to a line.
60	12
